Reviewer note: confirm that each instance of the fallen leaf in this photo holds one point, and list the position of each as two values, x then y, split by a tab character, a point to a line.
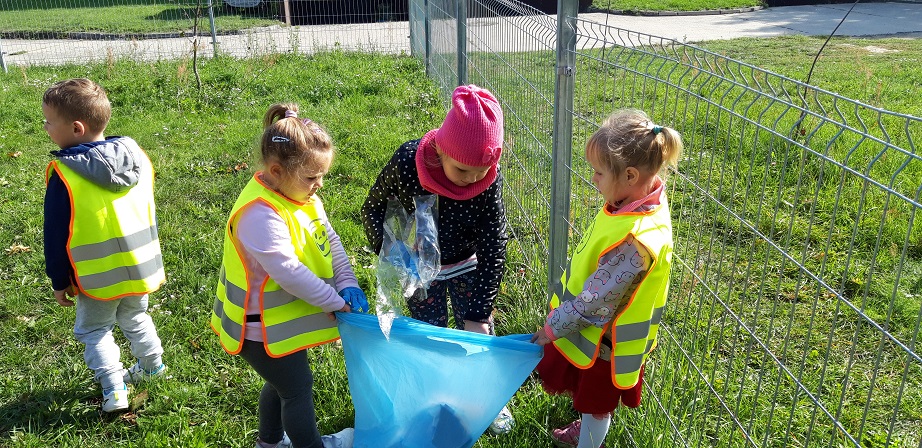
18	248
14	154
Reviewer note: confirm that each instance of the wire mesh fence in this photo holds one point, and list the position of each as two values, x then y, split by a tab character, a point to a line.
795	305
795	309
78	31
509	48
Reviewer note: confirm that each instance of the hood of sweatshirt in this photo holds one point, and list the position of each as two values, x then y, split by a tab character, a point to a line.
114	163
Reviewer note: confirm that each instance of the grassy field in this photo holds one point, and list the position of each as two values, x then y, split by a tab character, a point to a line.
879	72
140	17
126	17
202	143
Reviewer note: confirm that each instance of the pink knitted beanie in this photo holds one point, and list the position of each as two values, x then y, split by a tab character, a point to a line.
472	132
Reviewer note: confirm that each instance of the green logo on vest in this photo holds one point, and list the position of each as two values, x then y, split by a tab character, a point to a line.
319	232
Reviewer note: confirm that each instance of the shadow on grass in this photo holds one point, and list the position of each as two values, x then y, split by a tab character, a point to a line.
39	411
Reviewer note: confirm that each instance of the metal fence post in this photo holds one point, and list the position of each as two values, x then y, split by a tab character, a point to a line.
214	34
427	21
563	133
412	20
462	41
2	60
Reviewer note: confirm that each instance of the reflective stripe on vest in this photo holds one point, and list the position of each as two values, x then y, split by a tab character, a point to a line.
289	323
633	331
113	246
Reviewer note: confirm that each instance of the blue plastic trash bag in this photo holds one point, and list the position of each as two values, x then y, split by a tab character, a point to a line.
428	386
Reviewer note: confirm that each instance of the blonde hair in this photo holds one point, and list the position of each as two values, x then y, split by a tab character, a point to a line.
294	142
628	138
80	99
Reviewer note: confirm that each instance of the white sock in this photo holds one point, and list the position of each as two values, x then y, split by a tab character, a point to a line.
592	431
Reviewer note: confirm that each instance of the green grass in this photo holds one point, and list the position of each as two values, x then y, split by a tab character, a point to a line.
127	17
671	5
877	72
197	140
200	139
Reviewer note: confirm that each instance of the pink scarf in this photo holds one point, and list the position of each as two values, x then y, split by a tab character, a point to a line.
432	175
651	199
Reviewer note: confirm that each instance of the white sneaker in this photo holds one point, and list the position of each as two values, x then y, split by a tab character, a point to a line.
137	374
342	439
115	399
503	422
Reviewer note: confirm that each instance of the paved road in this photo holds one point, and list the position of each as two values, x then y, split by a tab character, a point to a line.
867	19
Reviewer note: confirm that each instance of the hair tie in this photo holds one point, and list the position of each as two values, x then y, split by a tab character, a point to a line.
656	129
290	114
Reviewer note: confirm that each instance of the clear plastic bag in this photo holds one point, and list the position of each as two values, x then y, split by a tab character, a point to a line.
409	259
426	244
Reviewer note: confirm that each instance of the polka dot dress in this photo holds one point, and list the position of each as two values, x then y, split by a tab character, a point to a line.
474	226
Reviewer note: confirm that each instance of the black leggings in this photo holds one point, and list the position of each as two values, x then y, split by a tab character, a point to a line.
431	305
286	401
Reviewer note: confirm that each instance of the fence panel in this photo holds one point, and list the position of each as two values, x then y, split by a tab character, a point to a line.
77	31
510	48
795	313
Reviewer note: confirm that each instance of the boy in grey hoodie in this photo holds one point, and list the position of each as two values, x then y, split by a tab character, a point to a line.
101	243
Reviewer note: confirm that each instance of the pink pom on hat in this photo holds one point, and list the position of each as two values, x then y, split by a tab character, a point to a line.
472	132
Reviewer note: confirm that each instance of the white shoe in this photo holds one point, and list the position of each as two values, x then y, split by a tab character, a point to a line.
137	374
115	399
342	439
503	422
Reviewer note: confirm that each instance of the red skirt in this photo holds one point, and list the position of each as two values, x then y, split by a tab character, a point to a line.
592	389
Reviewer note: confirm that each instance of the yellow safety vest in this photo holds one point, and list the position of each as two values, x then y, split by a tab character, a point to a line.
634	329
113	246
289	323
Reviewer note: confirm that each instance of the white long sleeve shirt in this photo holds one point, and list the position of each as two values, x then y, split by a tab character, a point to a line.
268	251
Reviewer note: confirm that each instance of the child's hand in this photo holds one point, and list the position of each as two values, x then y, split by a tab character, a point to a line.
61	296
355	298
345	309
541	337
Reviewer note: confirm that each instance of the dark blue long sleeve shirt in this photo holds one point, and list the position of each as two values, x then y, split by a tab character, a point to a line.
57	231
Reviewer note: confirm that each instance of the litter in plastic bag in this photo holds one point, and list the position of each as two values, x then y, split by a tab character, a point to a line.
409	259
426	386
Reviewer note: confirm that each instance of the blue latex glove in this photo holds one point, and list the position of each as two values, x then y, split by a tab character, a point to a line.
356	299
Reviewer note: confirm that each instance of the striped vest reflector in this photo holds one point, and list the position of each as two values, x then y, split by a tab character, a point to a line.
114	247
633	331
289	323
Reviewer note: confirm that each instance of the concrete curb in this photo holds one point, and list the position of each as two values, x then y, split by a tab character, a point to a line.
706	12
59	35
